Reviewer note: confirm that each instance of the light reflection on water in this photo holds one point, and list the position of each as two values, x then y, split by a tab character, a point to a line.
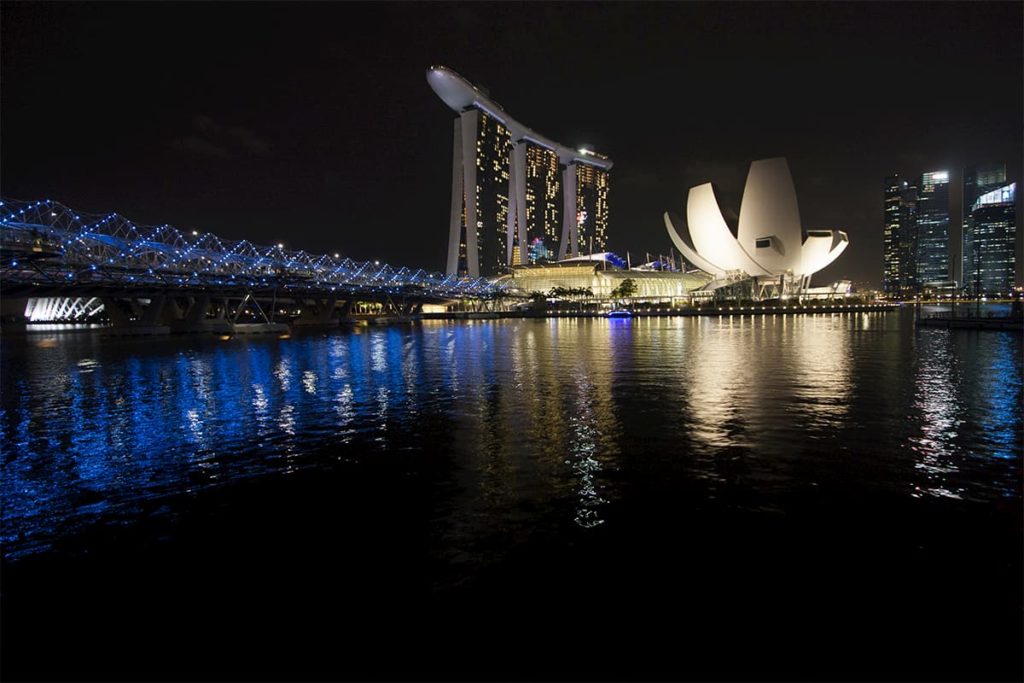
538	424
937	382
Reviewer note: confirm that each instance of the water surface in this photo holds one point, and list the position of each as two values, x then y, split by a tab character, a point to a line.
729	468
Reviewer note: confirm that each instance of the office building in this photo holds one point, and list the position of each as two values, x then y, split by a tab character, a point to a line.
932	252
990	240
908	283
899	238
988	247
891	235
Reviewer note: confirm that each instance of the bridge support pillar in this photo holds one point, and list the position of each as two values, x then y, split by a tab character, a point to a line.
345	312
195	319
115	310
141	320
316	311
173	310
151	313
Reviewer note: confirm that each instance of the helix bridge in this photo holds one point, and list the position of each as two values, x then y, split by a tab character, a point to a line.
50	250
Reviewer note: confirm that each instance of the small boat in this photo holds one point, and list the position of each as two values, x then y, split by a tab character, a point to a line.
619	313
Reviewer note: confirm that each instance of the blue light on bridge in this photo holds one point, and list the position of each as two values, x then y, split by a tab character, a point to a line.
164	250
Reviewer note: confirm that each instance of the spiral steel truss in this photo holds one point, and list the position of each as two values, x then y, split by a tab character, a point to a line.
46	244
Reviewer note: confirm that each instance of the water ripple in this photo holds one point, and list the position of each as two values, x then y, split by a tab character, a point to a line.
523	425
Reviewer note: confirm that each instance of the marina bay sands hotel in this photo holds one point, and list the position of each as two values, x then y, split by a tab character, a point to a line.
517	196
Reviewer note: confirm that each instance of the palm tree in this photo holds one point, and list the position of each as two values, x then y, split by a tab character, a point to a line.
625	290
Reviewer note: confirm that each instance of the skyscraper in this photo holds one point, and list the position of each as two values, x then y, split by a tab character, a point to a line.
909	284
543	198
512	186
933	229
990	240
899	237
894	188
592	207
982	244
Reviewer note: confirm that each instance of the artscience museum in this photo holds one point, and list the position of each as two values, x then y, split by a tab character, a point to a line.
768	251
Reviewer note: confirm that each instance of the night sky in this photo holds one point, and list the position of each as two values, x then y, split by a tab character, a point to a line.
313	124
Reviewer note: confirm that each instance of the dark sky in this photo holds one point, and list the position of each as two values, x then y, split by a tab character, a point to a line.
313	124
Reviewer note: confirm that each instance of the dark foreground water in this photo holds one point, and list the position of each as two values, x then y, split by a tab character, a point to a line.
787	497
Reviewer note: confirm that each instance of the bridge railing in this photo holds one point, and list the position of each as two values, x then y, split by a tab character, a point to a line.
111	248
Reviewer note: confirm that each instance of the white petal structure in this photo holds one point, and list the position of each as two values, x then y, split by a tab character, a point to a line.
713	240
821	248
769	213
688	252
770	241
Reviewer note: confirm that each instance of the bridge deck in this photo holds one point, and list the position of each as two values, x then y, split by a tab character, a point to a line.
48	249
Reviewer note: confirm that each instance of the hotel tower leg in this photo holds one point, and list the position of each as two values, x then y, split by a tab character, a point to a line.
455	222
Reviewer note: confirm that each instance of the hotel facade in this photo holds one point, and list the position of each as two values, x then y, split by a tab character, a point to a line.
517	196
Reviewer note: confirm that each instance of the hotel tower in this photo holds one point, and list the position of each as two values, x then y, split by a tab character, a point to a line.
517	196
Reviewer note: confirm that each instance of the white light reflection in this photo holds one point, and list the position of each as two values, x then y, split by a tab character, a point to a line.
378	353
309	382
937	387
261	408
383	396
819	350
283	374
286	419
718	382
344	401
584	436
87	365
195	426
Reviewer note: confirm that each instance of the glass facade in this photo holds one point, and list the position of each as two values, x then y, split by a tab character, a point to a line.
539	253
933	229
512	187
899	237
543	202
891	234
493	144
592	208
543	184
990	244
908	242
979	181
